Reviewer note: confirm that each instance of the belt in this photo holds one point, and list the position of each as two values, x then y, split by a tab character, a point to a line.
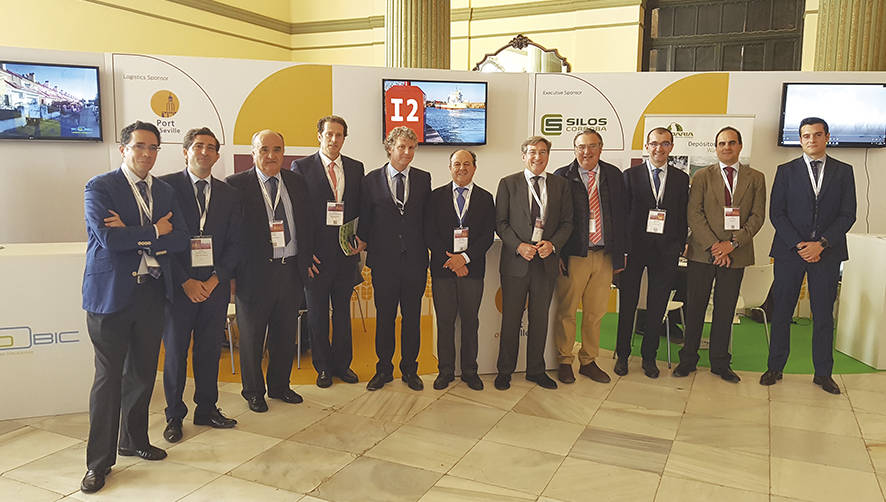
143	279
596	248
283	261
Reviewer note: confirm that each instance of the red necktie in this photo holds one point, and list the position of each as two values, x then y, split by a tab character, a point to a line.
594	206
334	181
729	173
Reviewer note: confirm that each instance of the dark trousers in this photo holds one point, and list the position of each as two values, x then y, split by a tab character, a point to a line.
206	322
822	280
277	314
335	284
404	289
457	297
126	344
539	286
661	278
700	277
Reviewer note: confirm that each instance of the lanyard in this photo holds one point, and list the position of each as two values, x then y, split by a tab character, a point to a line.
660	192
729	187
264	192
206	196
146	208
816	186
461	215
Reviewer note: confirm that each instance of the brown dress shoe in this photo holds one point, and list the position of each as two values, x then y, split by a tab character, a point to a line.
594	372
565	374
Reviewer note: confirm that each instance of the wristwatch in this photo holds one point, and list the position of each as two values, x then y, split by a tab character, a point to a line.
734	243
824	243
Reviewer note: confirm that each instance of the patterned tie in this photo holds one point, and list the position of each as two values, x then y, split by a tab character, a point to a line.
594	206
730	172
535	210
401	191
656	178
201	195
816	165
143	190
460	200
279	212
334	180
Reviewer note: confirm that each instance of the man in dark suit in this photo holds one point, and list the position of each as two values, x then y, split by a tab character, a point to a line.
533	214
594	252
132	222
202	273
727	207
334	182
275	256
459	228
656	195
393	200
813	207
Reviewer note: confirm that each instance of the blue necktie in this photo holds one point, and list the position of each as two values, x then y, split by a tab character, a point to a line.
460	200
656	173
401	191
816	165
143	190
279	211
201	195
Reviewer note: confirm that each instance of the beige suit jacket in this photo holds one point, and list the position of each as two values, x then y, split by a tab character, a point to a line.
707	199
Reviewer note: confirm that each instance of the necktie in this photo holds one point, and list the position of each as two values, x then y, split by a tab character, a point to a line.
535	210
201	195
594	208
143	191
460	200
401	189
816	165
730	172
279	212
334	180
656	179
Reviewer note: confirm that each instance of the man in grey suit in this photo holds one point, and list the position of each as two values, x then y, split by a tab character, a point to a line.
533	215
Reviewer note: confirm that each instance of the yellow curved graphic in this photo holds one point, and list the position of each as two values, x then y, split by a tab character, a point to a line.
705	93
289	101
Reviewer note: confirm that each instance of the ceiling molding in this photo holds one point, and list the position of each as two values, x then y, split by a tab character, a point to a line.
537	8
229	11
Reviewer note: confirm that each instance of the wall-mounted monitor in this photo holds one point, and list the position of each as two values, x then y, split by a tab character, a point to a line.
49	101
440	112
855	112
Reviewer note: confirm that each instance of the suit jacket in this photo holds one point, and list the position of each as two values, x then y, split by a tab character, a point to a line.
514	225
612	203
394	241
113	255
441	220
326	243
222	223
256	250
639	199
798	217
707	198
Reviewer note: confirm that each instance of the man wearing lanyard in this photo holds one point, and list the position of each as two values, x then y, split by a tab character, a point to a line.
533	217
459	228
813	206
656	195
727	207
275	256
594	252
203	273
132	222
335	199
393	199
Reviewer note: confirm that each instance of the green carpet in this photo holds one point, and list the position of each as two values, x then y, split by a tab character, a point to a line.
749	348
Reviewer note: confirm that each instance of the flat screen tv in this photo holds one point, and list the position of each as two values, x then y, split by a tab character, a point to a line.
49	101
440	112
855	112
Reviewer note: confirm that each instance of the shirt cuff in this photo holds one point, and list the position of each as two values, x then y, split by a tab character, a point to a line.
466	257
156	232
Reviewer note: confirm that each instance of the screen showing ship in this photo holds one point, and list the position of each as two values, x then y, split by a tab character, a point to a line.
454	113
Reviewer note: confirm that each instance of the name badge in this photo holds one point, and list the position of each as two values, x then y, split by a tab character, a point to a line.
459	239
538	229
732	218
278	236
335	214
201	251
592	222
655	223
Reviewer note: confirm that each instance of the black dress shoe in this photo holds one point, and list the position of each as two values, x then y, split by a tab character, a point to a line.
257	404
727	374
621	366
650	368
592	371
503	382
94	480
378	381
324	379
413	381
683	370
827	383
770	377
473	381
442	381
543	380
149	453
565	374
288	396
214	419
347	376
173	432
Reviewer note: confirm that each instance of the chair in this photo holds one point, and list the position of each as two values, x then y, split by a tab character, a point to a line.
301	315
229	322
641	305
754	289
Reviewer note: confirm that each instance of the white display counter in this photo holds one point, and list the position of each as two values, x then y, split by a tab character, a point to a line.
46	358
862	315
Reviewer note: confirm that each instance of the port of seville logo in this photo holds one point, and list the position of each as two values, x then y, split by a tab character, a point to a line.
164	103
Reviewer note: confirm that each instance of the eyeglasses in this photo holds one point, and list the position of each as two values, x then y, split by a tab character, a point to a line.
138	147
663	144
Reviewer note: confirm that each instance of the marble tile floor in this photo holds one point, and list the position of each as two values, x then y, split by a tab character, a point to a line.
634	439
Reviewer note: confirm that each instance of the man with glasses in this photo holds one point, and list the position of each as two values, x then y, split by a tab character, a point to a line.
656	195
594	252
133	223
202	273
